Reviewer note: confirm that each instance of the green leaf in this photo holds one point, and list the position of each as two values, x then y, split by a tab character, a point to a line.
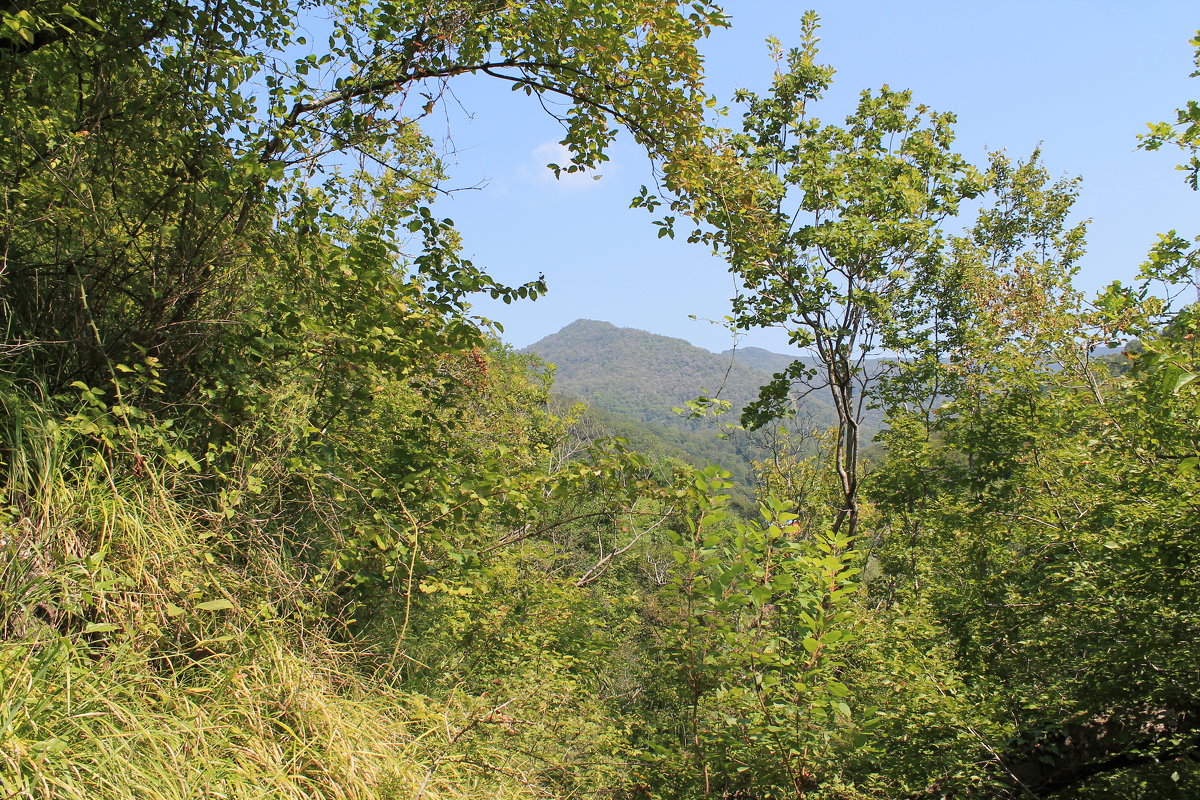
1181	380
214	605
55	745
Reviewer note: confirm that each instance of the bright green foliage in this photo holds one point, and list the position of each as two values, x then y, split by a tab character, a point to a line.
1030	524
1184	133
264	476
154	195
832	232
273	253
278	518
760	616
469	667
1041	518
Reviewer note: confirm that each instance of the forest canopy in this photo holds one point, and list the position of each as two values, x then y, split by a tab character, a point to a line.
279	516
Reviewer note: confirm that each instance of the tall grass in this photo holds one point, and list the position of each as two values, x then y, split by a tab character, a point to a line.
146	654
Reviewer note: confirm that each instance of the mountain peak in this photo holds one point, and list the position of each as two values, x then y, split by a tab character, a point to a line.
646	375
588	324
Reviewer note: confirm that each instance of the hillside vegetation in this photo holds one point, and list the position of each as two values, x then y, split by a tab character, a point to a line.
280	518
649	377
644	388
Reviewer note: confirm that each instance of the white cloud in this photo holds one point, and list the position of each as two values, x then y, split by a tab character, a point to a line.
555	153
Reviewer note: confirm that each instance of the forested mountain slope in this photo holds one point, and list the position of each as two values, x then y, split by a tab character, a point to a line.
637	385
642	383
645	375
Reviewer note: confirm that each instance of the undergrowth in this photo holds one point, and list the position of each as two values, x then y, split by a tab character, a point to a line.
153	648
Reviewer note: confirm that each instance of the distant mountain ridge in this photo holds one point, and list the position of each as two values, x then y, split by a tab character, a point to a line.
632	380
760	359
645	375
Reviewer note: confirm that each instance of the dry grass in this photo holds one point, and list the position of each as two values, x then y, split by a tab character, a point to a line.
144	655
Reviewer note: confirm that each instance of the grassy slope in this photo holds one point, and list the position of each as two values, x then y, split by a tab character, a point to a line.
154	649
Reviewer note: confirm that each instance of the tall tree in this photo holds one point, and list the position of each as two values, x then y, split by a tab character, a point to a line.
160	157
832	232
1044	516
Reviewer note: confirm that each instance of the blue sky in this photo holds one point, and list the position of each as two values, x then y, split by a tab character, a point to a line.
1080	78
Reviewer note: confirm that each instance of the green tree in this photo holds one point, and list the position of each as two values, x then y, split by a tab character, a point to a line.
182	187
242	336
832	232
757	615
166	163
1040	520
